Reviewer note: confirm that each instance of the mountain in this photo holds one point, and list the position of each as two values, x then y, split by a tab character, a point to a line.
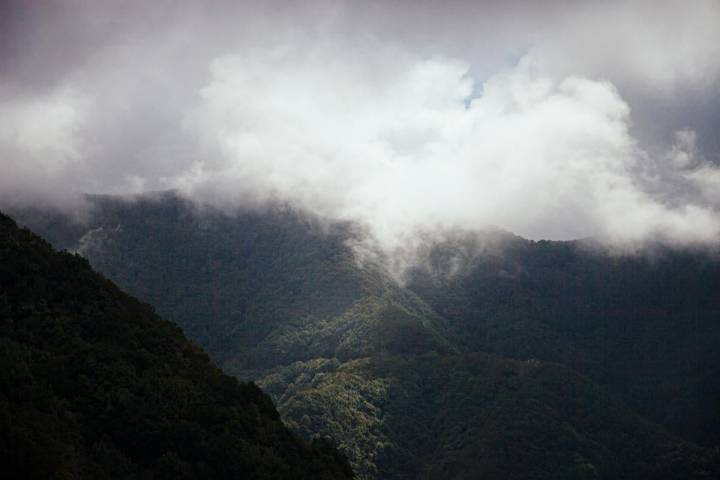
498	357
95	385
248	287
646	325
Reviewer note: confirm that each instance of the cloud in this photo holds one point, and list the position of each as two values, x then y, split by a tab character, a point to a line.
551	120
412	148
41	145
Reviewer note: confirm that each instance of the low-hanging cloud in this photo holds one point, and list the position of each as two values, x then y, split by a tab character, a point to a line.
531	119
410	147
40	145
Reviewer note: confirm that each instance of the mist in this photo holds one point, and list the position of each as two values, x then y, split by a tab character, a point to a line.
560	121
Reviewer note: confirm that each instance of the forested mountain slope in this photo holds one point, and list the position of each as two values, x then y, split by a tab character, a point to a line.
95	385
647	325
259	289
469	369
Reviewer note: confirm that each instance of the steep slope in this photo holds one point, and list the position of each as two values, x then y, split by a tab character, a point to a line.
257	289
646	325
480	416
405	391
95	385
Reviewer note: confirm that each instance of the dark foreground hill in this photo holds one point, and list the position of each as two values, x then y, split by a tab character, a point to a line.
93	384
500	358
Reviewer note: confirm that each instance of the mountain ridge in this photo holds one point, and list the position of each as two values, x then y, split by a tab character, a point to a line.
345	351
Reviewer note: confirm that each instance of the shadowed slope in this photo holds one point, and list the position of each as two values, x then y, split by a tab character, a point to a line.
95	385
645	324
396	375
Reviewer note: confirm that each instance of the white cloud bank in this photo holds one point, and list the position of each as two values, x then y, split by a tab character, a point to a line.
40	143
400	116
407	145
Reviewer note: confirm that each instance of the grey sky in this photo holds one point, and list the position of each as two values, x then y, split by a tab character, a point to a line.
554	119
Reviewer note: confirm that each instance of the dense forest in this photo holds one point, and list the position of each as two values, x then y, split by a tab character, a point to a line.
493	357
95	385
644	324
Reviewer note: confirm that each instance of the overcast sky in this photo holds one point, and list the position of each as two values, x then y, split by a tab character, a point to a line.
552	119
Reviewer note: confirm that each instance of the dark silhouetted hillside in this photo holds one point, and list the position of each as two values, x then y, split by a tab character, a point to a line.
94	384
